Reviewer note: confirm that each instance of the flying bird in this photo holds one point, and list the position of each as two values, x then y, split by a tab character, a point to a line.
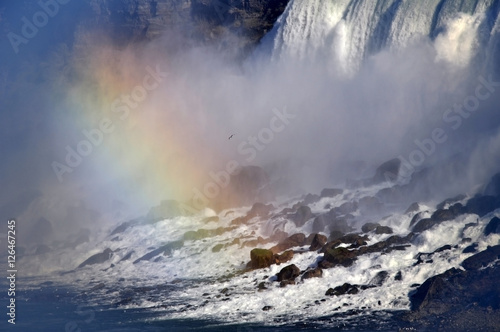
231	136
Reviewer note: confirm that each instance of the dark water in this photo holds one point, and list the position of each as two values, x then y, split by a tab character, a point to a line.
49	307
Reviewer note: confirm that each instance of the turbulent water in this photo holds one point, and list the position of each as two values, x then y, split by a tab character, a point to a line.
169	273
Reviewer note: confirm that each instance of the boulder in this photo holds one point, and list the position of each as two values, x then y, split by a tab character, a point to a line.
482	259
310	199
464	300
340	256
383	230
414	207
379	278
301	216
493	227
368	227
314	273
97	258
163	250
318	242
289	272
343	290
284	257
482	205
296	240
449	201
261	258
387	172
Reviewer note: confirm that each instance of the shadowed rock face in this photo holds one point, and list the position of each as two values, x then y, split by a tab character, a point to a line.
234	24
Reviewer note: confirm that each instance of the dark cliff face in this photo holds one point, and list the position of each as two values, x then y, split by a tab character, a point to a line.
227	24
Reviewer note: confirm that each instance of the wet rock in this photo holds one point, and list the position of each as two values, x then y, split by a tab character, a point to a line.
345	208
331	192
482	259
340	256
301	216
343	290
414	207
163	250
455	294
284	257
285	283
449	201
335	235
482	205
217	247
493	227
310	199
380	278
296	240
368	227
205	233
383	230
261	286
387	172
120	229
261	258
398	276
267	308
470	249
97	258
318	242
314	273
288	273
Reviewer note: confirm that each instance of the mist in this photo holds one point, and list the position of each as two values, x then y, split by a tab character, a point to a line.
164	143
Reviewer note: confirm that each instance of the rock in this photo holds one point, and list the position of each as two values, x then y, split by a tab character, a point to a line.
285	283
414	207
368	227
310	199
343	290
318	241
482	259
205	233
121	228
289	272
333	221
398	276
383	230
345	208
301	216
261	286
424	225
314	273
482	205
217	247
449	201
443	215
163	250
340	256
331	192
493	226
267	308
284	257
416	218
261	258
97	258
470	249
335	235
454	295
296	240
380	278
387	172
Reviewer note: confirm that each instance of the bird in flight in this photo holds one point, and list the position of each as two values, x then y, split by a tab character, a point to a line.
231	136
